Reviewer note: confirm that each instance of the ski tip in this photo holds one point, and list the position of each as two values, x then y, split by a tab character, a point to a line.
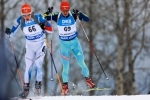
107	78
97	89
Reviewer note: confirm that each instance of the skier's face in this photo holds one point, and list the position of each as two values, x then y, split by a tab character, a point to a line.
65	12
27	17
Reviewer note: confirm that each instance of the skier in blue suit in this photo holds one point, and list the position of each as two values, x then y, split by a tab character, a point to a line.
66	23
35	44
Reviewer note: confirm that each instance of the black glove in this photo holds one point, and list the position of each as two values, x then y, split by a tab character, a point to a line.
42	26
50	10
76	11
8	31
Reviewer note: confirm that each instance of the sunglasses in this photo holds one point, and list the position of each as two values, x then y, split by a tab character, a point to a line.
27	15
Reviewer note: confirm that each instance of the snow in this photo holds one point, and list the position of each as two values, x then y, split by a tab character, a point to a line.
124	97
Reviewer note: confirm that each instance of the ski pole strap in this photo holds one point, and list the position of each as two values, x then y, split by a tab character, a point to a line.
22	23
35	18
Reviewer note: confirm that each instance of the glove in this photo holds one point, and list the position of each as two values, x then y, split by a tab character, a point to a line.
76	12
50	10
49	29
8	31
42	26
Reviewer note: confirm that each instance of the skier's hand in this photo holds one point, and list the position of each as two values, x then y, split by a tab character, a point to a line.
50	9
76	11
8	31
42	26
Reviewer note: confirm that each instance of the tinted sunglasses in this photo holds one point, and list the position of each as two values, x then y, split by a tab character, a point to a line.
27	15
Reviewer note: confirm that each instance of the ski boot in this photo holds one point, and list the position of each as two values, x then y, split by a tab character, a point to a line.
37	88
65	89
89	82
25	92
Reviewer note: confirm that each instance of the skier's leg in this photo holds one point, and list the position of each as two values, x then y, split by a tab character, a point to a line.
40	54
29	57
77	51
38	88
25	92
65	56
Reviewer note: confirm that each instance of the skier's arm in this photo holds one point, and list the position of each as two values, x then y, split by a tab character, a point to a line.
83	17
50	17
48	26
15	27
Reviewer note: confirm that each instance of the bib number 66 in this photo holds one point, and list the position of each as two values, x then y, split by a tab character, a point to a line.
32	28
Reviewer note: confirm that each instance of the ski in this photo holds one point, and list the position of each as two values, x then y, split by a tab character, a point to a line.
28	98
18	98
97	89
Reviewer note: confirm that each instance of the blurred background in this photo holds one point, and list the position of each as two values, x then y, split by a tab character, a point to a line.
119	32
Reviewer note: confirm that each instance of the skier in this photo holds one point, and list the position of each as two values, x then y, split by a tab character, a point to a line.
66	23
35	44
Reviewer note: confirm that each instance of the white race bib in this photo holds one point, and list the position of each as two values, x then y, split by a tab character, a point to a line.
32	30
67	30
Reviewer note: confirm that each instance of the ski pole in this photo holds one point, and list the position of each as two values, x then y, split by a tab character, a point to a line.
91	46
15	77
51	61
57	75
51	53
18	69
50	9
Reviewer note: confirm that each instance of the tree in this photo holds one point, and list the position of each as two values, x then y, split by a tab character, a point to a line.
119	26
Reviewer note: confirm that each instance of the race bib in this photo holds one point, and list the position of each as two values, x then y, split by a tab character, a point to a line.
32	30
67	30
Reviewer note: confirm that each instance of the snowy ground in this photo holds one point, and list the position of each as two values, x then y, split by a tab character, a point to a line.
135	97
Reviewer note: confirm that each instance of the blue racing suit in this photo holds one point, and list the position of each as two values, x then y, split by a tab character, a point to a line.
69	41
